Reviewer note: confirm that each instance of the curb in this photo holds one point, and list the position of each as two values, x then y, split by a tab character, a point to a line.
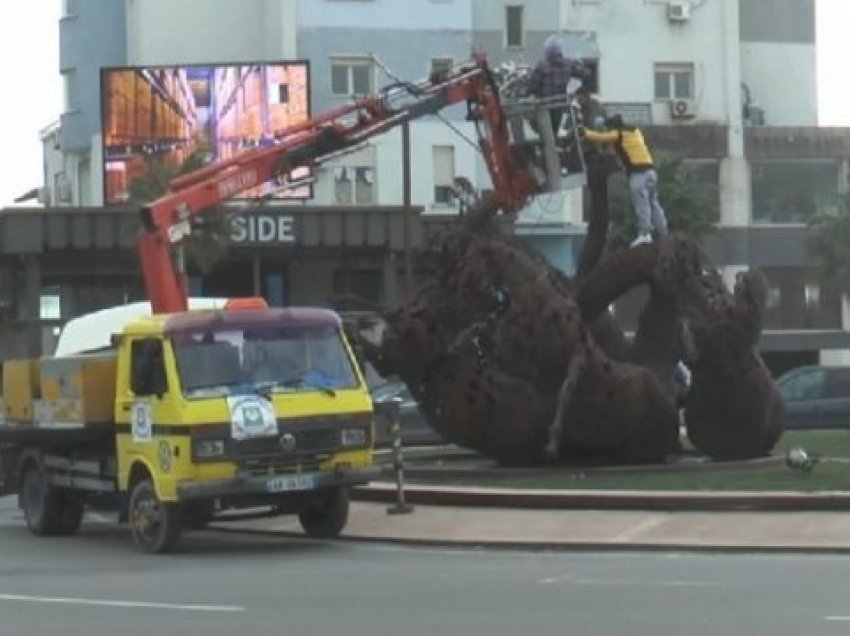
606	500
561	546
415	469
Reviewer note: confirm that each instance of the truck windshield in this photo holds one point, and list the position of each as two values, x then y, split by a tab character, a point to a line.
263	360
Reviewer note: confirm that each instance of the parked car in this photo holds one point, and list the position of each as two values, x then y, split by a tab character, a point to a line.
415	429
816	397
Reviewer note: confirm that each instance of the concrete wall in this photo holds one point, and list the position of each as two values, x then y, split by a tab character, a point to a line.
633	36
392	46
779	60
541	18
777	21
783	81
391	31
205	31
91	36
393	15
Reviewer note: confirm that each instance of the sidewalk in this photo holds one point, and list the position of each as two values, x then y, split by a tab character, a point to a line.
508	526
465	516
585	529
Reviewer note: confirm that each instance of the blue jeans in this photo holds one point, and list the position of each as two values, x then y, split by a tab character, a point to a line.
644	190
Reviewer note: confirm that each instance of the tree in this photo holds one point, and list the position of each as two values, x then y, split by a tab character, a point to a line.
153	184
207	243
691	205
828	243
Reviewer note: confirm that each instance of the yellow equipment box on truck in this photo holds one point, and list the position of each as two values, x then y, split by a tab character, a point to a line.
187	415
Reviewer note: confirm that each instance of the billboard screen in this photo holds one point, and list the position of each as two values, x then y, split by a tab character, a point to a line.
161	122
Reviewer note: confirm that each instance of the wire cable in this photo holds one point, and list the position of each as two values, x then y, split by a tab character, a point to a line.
410	89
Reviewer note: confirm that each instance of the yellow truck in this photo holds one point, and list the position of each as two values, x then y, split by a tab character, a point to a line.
184	417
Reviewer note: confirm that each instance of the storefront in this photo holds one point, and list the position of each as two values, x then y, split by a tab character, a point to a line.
59	263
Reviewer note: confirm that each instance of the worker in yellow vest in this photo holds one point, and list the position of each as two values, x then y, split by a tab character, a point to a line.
643	180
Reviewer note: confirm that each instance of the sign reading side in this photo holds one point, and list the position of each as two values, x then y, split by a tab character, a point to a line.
262	228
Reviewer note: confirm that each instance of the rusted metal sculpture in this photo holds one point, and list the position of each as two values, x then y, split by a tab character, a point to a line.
510	357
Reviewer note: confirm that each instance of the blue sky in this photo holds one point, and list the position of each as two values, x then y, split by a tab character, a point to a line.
29	63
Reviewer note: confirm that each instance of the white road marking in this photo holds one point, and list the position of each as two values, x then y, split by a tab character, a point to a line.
555	579
647	524
836	618
569	578
126	604
641	583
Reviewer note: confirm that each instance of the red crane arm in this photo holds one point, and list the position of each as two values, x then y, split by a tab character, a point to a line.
168	220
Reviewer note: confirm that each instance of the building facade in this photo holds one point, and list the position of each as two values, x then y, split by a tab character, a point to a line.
713	81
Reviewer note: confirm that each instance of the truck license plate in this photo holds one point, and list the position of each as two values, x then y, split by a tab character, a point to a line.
290	483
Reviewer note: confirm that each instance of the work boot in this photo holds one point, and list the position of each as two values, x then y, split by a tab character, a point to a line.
641	238
683	375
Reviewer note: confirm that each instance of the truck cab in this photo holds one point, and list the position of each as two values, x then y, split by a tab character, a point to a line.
212	410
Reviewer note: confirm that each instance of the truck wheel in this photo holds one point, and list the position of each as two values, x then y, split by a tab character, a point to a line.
155	525
72	515
325	517
41	504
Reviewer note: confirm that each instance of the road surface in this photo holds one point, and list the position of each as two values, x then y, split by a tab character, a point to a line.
226	584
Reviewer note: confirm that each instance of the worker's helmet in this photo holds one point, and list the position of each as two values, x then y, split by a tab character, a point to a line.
553	49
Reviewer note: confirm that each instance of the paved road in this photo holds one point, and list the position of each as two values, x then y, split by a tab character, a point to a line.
233	584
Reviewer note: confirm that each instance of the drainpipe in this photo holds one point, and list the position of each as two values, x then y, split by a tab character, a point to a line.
735	190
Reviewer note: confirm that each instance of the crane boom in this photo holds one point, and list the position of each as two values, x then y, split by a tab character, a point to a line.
168	220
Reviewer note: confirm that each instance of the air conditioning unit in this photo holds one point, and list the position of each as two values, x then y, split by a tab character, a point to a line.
678	10
756	116
682	108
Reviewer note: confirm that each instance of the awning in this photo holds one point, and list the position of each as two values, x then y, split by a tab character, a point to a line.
27	196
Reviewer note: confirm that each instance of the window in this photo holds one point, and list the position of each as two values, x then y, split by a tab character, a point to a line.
837	384
352	77
514	27
808	385
354	185
68	99
811	293
444	174
441	66
50	303
62	191
147	367
357	284
792	191
674	81
774	297
637	113
293	358
278	93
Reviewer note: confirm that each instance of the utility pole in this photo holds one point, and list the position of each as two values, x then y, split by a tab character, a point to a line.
407	229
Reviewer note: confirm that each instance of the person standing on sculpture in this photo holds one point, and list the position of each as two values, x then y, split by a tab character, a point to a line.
643	179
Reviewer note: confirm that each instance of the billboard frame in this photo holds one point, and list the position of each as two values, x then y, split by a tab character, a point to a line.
104	70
